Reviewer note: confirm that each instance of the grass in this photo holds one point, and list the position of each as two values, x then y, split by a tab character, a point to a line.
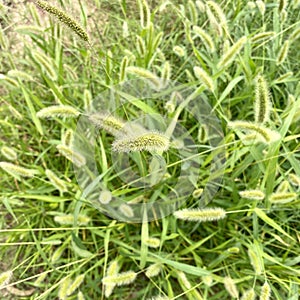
58	242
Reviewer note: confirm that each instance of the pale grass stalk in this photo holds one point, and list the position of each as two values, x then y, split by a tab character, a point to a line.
80	296
18	292
87	100
57	254
166	73
201	6
123	66
282	4
10	81
295	35
68	137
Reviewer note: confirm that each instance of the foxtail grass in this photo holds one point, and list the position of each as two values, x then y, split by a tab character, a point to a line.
262	103
201	215
58	111
64	18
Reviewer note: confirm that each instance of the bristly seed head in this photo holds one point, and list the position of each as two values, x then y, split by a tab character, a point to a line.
201	215
150	141
262	102
64	18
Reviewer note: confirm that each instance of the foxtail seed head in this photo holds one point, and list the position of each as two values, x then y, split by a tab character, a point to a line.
126	210
5	278
252	194
140	72
201	215
17	171
231	287
56	182
64	18
248	295
153	270
109	123
266	135
9	153
58	111
152	242
75	284
179	51
282	198
218	14
112	270
206	39
232	52
69	219
265	292
120	278
282	54
150	141
262	103
294	180
63	288
75	157
105	197
204	78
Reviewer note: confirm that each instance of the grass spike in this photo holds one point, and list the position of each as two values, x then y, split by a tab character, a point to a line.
201	215
64	18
